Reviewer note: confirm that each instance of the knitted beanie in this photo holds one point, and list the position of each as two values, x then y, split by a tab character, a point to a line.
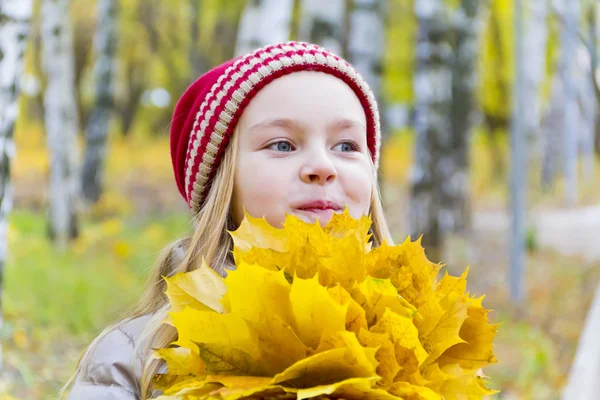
206	114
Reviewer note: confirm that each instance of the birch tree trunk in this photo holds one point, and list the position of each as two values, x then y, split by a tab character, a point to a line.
433	101
555	123
366	43
323	23
587	107
105	43
535	44
15	16
570	125
264	22
456	203
518	165
61	120
594	27
551	131
198	62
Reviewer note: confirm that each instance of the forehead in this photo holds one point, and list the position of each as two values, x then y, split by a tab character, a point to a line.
310	97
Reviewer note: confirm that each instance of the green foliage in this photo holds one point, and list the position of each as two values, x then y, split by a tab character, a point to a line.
84	288
531	242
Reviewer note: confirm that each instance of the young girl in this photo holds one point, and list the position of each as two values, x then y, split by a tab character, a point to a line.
286	129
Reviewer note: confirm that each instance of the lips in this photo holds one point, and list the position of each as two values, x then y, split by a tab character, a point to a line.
320	205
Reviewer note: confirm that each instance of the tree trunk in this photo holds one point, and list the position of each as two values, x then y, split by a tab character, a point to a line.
464	115
15	25
323	23
366	43
60	120
264	22
434	161
594	26
554	120
534	41
583	382
518	165
129	105
551	131
570	126
587	107
96	132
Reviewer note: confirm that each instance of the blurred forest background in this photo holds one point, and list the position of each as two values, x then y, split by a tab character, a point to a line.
491	151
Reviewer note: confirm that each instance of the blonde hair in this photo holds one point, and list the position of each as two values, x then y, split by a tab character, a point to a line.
210	241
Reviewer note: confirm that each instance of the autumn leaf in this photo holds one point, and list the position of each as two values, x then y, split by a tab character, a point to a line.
356	319
464	386
256	232
181	361
201	289
228	360
402	332
388	366
315	312
205	327
376	295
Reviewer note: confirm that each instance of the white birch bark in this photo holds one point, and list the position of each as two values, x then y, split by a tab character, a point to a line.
551	131
15	16
366	41
583	382
323	23
264	22
60	120
105	44
569	35
587	106
434	162
464	115
559	124
535	43
518	164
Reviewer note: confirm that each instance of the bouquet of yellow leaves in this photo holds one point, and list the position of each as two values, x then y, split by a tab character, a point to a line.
315	312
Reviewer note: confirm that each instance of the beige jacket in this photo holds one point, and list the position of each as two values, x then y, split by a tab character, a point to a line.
114	370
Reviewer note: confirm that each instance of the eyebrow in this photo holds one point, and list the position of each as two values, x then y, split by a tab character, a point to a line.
278	123
339	124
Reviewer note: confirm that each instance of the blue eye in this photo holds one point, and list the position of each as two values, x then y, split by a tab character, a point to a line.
282	145
347	147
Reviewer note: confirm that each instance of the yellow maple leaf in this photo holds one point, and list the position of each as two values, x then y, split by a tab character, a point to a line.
181	361
268	310
376	295
464	386
201	289
356	319
256	232
402	332
478	334
388	366
315	312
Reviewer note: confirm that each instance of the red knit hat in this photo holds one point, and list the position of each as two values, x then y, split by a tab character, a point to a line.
206	114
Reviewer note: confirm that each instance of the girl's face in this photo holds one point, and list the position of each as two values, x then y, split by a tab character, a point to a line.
302	151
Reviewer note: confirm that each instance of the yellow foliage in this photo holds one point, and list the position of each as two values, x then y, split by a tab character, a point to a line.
121	249
312	312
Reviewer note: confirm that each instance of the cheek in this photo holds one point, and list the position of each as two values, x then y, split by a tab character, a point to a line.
260	189
358	185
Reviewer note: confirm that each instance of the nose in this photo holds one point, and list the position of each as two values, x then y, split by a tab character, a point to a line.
318	168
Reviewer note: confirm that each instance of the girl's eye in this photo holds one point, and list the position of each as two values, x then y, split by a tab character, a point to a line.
282	145
346	147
